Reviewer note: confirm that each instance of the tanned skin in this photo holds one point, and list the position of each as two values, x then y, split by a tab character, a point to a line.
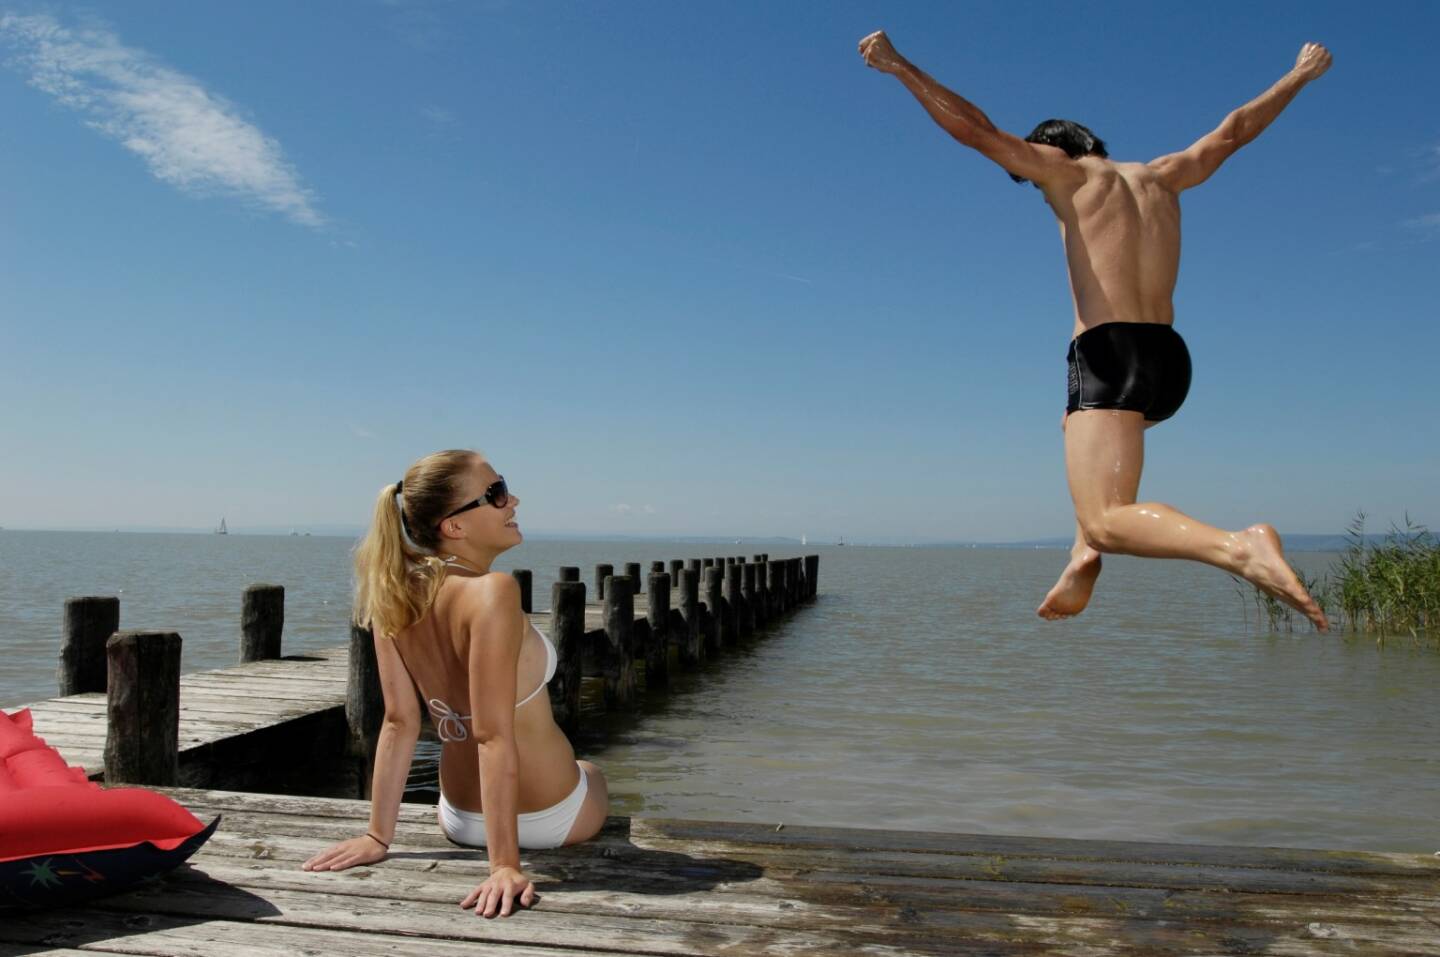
1120	224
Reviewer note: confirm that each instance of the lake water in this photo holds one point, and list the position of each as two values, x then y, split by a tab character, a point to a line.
920	691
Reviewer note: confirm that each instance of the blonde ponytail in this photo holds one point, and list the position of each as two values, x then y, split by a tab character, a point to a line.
396	581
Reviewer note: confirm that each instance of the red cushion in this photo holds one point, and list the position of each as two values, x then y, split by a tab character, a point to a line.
64	838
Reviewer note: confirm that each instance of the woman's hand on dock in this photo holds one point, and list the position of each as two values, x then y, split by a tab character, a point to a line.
352	853
501	890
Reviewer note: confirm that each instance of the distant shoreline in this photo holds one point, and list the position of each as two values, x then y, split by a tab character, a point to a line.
1293	542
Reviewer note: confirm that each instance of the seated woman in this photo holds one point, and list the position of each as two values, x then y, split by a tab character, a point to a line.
447	625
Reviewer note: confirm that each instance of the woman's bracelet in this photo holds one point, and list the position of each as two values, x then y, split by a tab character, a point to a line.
377	840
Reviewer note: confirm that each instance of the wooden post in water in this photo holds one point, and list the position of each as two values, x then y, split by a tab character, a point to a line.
262	622
691	649
747	599
523	576
89	623
142	737
774	587
619	669
794	577
569	573
364	701
757	559
707	563
656	568
676	567
693	564
812	577
715	612
761	605
632	572
731	632
657	612
567	634
602	572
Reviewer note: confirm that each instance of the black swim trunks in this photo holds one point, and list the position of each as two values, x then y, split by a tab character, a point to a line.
1139	366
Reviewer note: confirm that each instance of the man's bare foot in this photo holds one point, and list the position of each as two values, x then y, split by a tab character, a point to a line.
1072	592
1262	564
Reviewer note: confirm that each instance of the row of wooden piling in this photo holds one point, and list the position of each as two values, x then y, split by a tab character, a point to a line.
719	601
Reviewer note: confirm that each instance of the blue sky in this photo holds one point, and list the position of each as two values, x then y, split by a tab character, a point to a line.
685	268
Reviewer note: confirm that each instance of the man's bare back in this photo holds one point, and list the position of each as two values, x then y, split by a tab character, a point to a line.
1128	369
1121	229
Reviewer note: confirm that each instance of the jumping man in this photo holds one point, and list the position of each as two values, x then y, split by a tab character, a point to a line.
1128	368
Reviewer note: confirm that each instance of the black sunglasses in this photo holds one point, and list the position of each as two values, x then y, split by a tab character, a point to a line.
498	495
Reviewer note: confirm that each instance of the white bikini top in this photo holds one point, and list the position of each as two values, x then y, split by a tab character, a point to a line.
450	724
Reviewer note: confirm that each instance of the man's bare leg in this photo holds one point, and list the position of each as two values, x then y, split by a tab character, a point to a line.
1104	453
1072	591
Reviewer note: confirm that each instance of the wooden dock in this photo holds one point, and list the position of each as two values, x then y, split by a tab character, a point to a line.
669	887
232	720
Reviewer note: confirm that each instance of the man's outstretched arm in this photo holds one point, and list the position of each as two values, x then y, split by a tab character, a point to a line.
966	122
1195	165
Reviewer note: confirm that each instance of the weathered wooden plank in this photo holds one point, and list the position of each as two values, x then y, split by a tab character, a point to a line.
604	884
793	839
421	918
164	936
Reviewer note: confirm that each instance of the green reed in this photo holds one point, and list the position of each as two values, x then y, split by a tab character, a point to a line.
1385	588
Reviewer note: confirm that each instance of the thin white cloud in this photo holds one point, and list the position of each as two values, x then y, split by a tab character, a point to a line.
360	432
189	137
622	508
1428	221
438	115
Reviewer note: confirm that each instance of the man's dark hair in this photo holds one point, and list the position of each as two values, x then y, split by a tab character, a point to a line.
1074	139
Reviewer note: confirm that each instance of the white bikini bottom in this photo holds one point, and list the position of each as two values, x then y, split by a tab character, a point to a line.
538	829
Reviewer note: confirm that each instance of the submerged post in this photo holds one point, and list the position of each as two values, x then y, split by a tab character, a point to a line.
618	669
715	612
89	623
262	622
142	737
730	625
761	605
691	649
522	575
567	634
747	599
657	612
602	572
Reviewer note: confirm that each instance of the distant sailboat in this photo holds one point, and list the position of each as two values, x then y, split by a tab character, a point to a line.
842	539
804	541
222	530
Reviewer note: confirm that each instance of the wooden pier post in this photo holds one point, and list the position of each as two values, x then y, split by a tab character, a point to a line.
657	612
747	599
812	577
773	588
676	567
364	701
707	563
523	576
656	568
691	648
602	572
618	668
758	559
715	612
567	634
731	624
693	564
569	573
632	572
142	739
262	622
89	623
760	607
793	577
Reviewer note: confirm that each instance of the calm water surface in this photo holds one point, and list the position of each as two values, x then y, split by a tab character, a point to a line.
919	692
